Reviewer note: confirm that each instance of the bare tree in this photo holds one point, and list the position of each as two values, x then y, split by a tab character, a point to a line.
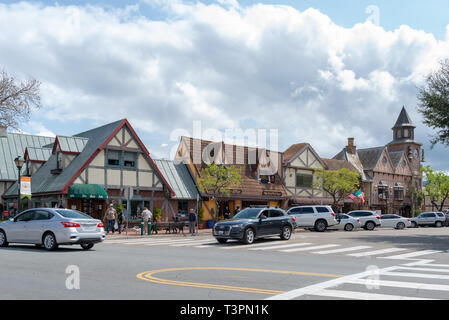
17	98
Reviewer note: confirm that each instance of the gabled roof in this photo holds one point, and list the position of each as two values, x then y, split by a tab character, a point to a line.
292	151
370	157
334	164
395	157
179	178
13	145
37	154
72	145
95	140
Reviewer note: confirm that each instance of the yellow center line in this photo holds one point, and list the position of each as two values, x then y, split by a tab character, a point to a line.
148	276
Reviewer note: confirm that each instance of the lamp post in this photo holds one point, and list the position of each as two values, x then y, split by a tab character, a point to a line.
19	164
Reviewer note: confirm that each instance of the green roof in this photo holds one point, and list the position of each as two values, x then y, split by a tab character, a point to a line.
87	191
179	178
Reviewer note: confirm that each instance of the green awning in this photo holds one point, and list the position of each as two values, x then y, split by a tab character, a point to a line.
87	191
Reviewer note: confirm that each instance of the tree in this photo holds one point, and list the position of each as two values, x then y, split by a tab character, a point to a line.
434	103
17	98
437	186
339	184
217	180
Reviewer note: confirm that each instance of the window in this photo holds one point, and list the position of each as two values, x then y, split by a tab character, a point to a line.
43	215
27	216
304	180
73	214
183	207
416	153
406	133
398	194
113	158
307	210
322	209
275	214
129	160
384	160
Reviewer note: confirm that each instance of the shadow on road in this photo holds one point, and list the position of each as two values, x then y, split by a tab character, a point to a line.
33	248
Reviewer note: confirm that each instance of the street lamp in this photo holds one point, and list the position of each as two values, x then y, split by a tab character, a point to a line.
19	164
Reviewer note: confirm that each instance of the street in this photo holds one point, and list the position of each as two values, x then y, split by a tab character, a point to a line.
379	264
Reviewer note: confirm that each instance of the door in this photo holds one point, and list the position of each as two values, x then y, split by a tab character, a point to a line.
308	216
277	218
387	221
264	223
35	227
16	232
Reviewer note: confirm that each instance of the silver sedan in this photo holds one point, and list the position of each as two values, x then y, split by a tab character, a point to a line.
395	221
51	228
346	223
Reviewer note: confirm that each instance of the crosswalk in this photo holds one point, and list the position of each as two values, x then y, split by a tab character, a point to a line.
291	247
420	280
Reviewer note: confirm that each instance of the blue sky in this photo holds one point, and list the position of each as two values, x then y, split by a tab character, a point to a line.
317	75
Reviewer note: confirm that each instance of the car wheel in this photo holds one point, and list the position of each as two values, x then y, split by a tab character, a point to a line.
87	246
249	236
370	226
438	224
414	224
320	226
286	233
3	241
349	227
222	240
400	226
50	241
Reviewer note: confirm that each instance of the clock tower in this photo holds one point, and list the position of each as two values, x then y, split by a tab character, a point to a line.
404	140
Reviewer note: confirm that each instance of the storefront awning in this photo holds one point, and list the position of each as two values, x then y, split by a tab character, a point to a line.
87	191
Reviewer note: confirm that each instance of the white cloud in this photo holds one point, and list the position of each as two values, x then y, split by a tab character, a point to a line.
224	64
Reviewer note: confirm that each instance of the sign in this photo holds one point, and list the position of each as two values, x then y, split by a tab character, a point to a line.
25	187
272	193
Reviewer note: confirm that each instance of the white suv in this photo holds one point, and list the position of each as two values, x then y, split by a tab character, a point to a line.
317	217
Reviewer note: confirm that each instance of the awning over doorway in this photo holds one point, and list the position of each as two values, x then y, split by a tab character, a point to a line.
87	191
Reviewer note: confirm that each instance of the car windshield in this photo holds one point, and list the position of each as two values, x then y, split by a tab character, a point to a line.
248	213
73	214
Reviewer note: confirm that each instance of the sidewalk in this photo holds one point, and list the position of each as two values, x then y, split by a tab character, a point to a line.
133	234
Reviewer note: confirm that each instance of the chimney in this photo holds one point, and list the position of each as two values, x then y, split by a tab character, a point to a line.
351	147
3	133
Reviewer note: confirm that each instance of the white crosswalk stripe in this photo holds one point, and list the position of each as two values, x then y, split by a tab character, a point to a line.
375	252
411	254
271	247
311	248
342	250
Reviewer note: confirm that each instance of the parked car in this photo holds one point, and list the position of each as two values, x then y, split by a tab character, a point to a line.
368	219
429	219
395	221
51	228
252	223
346	223
316	217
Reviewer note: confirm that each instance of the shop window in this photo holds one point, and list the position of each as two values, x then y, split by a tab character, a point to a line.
398	194
304	180
183	208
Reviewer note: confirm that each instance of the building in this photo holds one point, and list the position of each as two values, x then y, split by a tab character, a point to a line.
13	145
261	171
92	169
389	173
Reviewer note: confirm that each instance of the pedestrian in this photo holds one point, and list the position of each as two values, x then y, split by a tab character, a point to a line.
147	217
227	213
119	221
192	221
237	210
111	214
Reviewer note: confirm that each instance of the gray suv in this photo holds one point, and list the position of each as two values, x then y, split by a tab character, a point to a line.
436	219
368	219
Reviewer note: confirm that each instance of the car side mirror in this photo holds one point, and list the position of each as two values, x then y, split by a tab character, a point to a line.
262	217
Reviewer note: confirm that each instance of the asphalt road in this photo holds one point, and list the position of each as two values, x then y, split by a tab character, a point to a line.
385	263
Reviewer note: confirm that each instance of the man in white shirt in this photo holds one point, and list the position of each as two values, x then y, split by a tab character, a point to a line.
147	217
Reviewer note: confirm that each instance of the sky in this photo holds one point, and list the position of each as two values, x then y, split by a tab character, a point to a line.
314	71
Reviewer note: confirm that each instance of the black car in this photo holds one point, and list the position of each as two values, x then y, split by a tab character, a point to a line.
252	223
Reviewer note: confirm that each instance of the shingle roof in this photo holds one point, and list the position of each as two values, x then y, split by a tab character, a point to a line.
395	157
334	164
13	145
403	119
369	157
179	178
292	151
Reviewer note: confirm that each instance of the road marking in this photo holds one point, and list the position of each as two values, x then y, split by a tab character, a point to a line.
424	269
149	243
247	246
417	275
361	295
342	250
192	243
282	246
411	254
376	252
149	276
311	248
400	284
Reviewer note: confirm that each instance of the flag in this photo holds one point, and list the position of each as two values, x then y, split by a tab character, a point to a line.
358	193
353	197
363	197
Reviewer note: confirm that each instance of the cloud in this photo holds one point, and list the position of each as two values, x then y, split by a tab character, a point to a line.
224	64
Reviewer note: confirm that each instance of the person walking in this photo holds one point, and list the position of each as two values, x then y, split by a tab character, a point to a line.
111	214
147	216
192	221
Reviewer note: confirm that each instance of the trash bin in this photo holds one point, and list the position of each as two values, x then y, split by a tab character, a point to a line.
210	224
